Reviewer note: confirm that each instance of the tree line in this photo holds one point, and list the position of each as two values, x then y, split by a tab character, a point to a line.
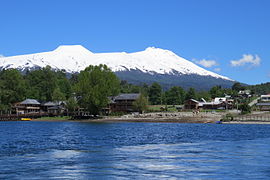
91	88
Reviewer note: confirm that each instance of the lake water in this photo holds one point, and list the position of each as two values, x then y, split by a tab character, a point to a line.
72	150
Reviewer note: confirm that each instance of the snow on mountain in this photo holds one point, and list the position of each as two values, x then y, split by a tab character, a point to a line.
74	58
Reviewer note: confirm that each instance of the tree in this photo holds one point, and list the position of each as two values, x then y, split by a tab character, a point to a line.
141	104
58	95
155	94
94	85
237	87
42	82
45	81
216	91
12	87
144	90
245	108
204	94
176	95
72	104
63	83
191	94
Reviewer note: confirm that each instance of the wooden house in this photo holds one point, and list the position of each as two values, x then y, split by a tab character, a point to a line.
28	106
123	102
191	104
53	108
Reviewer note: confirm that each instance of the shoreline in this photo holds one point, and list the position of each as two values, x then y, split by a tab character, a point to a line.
117	120
152	120
170	117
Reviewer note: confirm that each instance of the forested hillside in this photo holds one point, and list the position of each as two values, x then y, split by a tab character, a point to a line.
263	88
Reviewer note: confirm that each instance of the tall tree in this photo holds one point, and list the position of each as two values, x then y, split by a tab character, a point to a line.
42	82
204	94
155	94
72	104
58	95
95	84
175	95
141	103
144	90
12	87
237	87
191	94
63	83
216	91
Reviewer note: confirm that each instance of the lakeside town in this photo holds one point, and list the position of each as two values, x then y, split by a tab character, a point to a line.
128	102
145	89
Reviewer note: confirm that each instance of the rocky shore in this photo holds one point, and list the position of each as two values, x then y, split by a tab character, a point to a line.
179	117
166	117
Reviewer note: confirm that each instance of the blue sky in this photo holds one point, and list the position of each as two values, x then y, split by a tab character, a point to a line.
231	37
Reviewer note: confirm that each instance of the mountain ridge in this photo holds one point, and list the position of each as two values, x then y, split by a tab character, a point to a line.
74	58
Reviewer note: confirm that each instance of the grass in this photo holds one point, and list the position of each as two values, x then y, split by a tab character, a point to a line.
54	118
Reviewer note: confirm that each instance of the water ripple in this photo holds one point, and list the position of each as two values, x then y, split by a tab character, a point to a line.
40	150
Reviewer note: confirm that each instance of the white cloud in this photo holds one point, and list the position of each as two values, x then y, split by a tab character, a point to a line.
1	55
206	63
247	59
217	69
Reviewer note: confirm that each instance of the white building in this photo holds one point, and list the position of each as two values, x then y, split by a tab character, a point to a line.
265	98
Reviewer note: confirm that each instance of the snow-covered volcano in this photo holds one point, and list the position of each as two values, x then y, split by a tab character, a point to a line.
74	58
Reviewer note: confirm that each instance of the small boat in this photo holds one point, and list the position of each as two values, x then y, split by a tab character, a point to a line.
26	119
218	122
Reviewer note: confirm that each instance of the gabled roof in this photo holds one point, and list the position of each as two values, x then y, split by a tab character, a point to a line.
131	96
57	103
30	101
193	100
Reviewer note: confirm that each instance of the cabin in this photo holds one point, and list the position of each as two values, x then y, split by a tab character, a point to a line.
45	106
54	108
28	106
123	102
191	104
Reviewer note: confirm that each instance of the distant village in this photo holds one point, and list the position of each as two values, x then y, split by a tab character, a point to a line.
124	103
97	92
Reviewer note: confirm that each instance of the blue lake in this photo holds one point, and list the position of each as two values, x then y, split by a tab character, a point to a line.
72	150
